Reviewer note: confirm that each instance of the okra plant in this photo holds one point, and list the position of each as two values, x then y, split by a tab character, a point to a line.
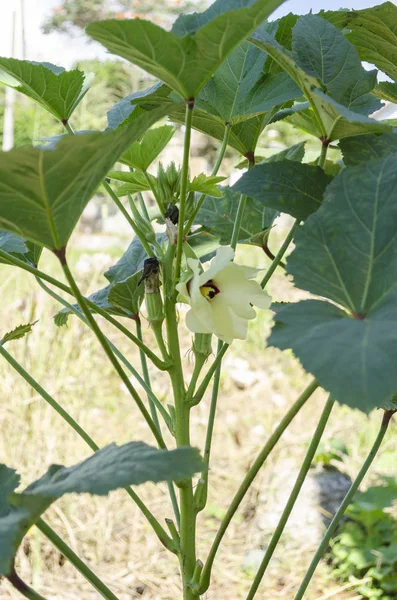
229	73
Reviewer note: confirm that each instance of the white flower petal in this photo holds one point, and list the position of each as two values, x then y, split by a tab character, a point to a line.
196	325
224	256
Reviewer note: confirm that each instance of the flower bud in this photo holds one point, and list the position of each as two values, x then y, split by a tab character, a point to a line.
171	222
144	226
202	344
154	301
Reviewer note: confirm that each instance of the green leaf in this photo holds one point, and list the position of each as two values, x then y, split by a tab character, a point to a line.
285	186
218	217
282	35
326	118
130	263
45	203
101	299
367	147
127	294
373	32
134	182
240	89
19	332
295	153
20	248
56	90
110	468
346	252
140	155
184	63
323	52
386	90
206	184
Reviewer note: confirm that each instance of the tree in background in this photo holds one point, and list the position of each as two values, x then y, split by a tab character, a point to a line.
78	13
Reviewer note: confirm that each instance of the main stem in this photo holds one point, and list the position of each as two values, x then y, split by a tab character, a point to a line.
187	555
245	485
345	503
184	183
292	498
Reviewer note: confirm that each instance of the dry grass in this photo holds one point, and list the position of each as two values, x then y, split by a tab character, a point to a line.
110	533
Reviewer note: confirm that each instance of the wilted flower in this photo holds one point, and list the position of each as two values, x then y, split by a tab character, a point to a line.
221	298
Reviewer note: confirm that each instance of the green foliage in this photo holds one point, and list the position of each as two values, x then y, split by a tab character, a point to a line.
217	216
142	153
366	545
285	186
46	204
327	453
110	468
345	252
160	52
56	90
19	332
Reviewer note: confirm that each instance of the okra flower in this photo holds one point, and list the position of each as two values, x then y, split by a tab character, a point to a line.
221	298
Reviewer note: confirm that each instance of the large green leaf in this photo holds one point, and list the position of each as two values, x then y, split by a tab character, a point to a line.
218	216
327	117
239	89
108	469
56	90
323	52
134	181
44	191
142	153
367	147
286	186
373	32
347	252
184	63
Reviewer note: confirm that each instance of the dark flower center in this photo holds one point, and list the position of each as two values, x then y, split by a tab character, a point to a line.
209	290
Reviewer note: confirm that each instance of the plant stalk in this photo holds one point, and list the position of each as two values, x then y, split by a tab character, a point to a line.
214	172
248	479
22	587
387	415
293	497
280	254
64	549
108	351
184	184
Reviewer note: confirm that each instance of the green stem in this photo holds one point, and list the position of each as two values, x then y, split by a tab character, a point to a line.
184	184
280	254
146	376
293	496
238	220
155	418
199	361
154	192
64	549
23	587
13	260
345	503
131	222
208	376
162	535
202	487
323	154
182	432
252	473
151	396
214	172
108	351
49	399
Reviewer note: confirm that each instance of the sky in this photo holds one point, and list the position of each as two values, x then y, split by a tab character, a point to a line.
63	50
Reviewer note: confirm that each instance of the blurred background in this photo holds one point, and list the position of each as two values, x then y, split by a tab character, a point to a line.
257	384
